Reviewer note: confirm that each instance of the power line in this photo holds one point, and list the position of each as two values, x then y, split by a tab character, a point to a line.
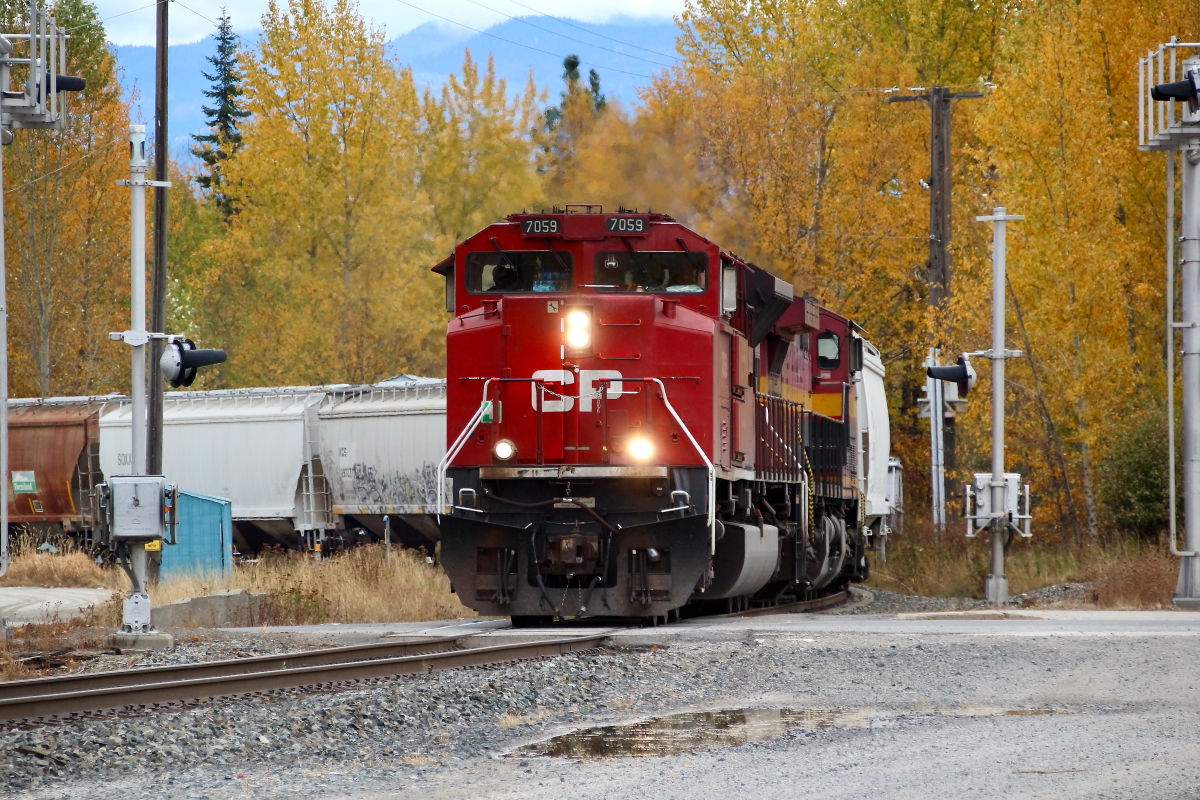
563	35
593	33
518	44
89	154
99	22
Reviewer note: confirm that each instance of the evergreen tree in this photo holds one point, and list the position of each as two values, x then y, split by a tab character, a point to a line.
554	114
223	138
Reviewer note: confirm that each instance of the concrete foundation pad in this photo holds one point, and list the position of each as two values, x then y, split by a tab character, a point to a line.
223	609
140	641
1187	603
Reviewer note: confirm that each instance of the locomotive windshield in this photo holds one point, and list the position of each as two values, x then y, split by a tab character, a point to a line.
671	272
518	271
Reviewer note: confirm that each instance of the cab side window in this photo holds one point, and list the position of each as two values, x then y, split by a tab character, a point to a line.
829	351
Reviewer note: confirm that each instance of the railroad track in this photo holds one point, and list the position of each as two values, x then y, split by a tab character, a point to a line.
798	607
103	691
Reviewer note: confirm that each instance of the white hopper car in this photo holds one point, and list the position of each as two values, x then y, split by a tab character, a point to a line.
303	465
881	477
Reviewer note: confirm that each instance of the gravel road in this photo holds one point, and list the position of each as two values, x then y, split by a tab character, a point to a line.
901	715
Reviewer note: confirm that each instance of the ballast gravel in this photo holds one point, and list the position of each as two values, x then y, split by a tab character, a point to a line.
882	601
196	648
955	703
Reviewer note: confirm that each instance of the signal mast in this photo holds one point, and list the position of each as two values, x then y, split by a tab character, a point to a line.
1169	120
41	57
993	501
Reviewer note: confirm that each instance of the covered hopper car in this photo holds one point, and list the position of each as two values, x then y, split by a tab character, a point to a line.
305	467
54	458
639	422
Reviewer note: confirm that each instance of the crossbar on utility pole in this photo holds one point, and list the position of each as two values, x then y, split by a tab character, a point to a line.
996	586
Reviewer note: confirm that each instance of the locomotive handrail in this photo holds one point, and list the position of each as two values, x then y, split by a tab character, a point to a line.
452	453
712	472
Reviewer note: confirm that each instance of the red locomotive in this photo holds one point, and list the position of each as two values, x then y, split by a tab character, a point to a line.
639	421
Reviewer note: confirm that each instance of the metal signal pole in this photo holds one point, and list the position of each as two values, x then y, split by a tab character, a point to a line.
158	283
1169	120
996	586
939	99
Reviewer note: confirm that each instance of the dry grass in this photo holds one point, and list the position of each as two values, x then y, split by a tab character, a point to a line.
354	586
1145	581
70	566
1125	574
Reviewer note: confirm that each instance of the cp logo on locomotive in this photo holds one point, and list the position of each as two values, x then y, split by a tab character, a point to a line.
560	401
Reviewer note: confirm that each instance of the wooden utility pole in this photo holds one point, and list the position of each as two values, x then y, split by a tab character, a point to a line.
939	269
158	284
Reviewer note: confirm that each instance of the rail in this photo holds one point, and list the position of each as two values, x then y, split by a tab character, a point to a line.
61	696
213	669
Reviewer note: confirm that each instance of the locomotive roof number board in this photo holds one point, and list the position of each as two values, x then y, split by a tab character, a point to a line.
585	227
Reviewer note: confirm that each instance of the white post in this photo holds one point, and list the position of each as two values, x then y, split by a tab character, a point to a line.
934	391
996	585
137	294
1187	590
387	537
4	474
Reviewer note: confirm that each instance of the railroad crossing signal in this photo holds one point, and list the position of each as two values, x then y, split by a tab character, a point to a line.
960	373
180	361
39	104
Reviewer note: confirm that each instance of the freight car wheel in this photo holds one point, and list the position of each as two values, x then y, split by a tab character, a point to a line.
531	621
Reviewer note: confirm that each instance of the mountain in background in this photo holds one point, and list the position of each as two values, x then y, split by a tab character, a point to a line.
434	51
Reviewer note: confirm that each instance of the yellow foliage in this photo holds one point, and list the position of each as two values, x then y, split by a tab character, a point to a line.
67	231
773	138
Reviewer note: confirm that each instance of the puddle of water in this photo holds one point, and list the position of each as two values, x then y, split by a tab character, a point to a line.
681	733
700	730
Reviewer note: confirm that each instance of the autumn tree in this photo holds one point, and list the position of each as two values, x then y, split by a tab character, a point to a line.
477	157
322	276
67	226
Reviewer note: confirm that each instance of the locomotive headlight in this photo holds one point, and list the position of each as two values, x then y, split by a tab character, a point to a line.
579	329
504	450
641	449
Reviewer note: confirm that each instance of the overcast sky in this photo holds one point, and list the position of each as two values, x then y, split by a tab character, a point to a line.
132	21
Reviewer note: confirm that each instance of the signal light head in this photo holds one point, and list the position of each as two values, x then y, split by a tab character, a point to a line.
180	361
1187	90
504	450
961	372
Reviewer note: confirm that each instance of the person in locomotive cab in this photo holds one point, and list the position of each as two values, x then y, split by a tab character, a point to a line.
505	277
